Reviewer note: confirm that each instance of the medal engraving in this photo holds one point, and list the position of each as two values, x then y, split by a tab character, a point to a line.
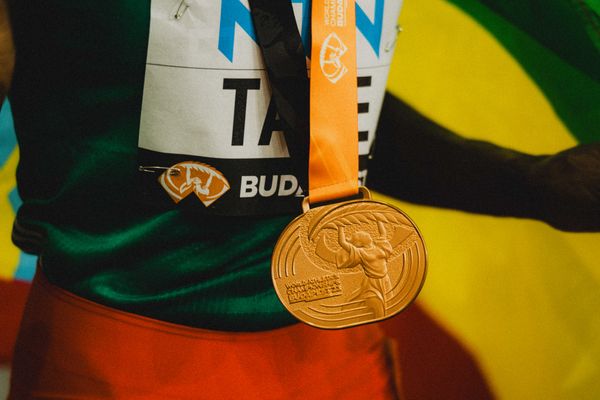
348	264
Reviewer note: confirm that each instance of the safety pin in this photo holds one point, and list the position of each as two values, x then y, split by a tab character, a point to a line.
155	169
183	6
390	46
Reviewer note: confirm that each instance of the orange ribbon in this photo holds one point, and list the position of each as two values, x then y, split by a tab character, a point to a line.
333	158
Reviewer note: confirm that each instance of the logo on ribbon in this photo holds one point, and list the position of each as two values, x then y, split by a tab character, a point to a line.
330	58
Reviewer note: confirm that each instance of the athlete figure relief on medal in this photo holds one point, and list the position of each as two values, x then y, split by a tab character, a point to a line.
347	264
372	256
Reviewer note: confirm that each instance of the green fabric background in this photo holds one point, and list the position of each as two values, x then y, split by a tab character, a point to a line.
551	38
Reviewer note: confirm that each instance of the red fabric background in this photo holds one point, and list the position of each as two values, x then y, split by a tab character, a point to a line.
12	301
434	364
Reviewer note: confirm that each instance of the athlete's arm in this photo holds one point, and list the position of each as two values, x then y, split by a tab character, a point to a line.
419	161
7	51
382	231
342	239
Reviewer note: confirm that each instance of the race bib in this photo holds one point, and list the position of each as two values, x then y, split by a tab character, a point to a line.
210	136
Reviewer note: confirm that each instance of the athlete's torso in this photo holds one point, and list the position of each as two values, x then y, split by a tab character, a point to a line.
84	98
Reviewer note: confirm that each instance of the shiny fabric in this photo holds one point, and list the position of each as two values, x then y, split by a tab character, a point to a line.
71	348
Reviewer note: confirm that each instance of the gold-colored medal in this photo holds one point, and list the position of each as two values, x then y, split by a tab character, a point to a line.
350	263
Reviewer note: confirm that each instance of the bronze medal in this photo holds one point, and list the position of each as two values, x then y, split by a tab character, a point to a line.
349	263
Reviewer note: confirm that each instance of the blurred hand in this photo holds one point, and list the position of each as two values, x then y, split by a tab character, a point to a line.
568	188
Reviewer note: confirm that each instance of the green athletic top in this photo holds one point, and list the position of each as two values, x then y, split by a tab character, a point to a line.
77	99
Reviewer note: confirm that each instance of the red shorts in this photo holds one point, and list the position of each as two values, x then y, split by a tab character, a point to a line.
72	348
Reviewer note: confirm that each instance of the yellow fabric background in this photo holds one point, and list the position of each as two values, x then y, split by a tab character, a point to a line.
9	254
523	297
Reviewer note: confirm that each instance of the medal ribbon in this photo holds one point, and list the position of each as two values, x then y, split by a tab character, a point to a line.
285	61
333	157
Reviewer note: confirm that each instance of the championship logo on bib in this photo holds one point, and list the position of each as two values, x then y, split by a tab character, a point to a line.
190	177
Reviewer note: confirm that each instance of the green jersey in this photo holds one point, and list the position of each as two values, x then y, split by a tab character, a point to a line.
91	92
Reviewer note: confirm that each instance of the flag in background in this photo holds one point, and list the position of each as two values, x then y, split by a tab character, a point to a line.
516	297
16	268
